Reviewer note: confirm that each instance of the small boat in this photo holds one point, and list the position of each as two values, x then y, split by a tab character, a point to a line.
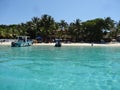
58	43
22	42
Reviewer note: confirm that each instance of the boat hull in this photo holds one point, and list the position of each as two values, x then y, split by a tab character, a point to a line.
58	45
21	44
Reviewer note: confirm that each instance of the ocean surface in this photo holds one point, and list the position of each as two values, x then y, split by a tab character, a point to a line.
63	68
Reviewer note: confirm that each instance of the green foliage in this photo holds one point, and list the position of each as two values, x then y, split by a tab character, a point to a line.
89	31
75	30
93	30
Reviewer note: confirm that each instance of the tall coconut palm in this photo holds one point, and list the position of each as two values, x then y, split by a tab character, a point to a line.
75	29
116	29
109	23
30	29
33	27
110	26
71	31
36	25
47	25
78	29
63	27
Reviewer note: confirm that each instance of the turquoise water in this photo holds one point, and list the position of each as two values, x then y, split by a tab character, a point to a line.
64	68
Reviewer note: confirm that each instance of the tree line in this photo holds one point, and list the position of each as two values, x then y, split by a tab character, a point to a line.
95	30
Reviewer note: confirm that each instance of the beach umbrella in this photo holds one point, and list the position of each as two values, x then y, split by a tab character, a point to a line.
39	38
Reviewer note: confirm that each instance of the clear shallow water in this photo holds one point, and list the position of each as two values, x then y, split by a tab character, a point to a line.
64	68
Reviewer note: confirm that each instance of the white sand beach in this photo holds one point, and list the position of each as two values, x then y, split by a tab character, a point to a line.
78	44
5	43
69	44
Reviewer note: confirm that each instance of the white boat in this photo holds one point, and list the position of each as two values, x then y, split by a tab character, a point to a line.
22	41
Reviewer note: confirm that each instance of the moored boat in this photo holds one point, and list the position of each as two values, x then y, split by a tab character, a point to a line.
22	41
58	43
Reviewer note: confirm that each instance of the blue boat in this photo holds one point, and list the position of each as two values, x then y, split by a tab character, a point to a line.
22	42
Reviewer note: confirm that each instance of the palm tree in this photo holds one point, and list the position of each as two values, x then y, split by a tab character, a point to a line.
116	29
71	31
36	25
63	25
47	26
78	29
75	29
30	29
110	26
109	23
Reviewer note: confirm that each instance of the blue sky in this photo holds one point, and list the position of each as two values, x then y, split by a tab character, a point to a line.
18	11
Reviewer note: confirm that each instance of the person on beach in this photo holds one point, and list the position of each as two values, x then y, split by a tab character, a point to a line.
91	44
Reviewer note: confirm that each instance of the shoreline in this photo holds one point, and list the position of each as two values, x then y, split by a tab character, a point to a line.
78	44
69	44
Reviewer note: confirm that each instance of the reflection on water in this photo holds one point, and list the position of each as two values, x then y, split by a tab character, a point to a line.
64	68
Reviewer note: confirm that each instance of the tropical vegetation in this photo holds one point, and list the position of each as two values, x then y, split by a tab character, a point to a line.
95	30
